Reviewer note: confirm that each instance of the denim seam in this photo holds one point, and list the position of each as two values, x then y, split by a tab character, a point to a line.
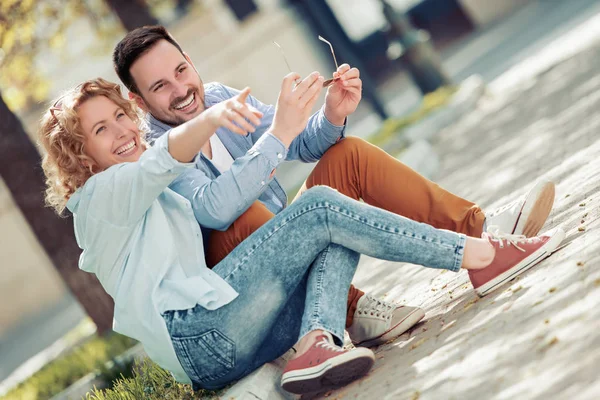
337	210
459	252
317	305
349	214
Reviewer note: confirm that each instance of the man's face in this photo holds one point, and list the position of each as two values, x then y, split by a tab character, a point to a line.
170	87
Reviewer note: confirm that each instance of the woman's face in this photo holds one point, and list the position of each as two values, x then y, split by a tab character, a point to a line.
111	136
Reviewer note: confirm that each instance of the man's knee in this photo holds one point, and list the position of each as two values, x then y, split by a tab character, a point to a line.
350	143
348	147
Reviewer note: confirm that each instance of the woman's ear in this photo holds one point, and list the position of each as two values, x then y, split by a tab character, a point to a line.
139	101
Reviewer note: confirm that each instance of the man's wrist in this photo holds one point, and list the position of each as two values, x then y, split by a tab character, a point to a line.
283	138
333	118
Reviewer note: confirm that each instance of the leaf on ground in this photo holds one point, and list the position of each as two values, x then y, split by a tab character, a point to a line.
581	228
567	195
549	344
581	204
580	263
416	395
597	282
537	303
517	289
585	215
552	290
470	304
547	321
418	343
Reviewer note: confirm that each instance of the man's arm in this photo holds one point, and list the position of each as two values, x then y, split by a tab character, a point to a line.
327	126
218	202
315	139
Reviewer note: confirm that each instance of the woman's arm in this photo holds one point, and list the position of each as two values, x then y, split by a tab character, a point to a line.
123	193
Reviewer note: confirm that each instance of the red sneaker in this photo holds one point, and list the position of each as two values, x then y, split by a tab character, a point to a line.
515	254
325	366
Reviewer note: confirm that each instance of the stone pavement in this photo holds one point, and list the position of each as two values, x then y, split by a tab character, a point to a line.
537	337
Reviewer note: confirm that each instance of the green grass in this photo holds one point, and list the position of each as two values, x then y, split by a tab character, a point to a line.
394	126
59	374
150	382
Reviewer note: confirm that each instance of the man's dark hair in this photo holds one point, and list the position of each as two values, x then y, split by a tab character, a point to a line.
133	46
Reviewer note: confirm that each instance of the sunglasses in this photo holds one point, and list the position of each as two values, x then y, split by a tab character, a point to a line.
328	82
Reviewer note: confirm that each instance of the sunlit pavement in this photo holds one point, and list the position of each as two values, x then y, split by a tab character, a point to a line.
537	337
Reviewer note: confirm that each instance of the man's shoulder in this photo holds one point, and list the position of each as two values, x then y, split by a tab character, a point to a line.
215	92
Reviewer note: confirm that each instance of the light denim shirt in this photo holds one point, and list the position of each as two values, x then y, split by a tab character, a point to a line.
143	243
219	199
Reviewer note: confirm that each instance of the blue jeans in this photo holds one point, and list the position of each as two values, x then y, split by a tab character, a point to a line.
292	276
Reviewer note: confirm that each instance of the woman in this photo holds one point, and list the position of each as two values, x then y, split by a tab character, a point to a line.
287	283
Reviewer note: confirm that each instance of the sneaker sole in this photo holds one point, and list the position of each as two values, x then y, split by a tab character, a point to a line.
533	259
536	210
408	322
332	374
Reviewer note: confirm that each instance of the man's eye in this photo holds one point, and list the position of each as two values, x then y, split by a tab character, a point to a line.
181	69
157	87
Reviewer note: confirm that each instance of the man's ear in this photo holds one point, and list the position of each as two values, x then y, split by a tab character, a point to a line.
138	100
189	60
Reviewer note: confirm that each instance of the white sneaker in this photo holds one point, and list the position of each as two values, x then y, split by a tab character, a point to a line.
376	321
527	215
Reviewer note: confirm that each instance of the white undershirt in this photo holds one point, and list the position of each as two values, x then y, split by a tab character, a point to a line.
220	156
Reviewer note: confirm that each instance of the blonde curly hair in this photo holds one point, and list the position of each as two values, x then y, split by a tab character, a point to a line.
65	163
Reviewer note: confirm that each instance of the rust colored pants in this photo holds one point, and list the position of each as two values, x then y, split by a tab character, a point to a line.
360	170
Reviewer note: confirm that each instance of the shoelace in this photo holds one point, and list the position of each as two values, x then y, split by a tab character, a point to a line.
494	233
327	345
376	307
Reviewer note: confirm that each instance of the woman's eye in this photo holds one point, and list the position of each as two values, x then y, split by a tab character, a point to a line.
119	115
102	128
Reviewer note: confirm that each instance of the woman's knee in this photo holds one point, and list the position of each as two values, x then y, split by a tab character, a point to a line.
319	193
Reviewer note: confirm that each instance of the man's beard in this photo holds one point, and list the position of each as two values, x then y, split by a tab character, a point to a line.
177	119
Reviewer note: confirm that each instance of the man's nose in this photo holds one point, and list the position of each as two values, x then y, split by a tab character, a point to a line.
179	90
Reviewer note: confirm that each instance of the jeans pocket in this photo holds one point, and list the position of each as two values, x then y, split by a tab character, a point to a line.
206	357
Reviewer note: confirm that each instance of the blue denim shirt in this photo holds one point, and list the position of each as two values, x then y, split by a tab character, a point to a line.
143	243
219	199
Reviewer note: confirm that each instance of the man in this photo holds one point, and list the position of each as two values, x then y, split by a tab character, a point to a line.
234	191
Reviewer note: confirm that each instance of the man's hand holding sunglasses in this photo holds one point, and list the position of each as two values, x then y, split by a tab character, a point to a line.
343	95
294	105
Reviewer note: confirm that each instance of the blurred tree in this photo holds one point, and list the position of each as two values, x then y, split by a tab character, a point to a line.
21	171
28	29
132	13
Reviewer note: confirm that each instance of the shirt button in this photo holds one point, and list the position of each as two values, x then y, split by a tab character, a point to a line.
279	155
262	183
